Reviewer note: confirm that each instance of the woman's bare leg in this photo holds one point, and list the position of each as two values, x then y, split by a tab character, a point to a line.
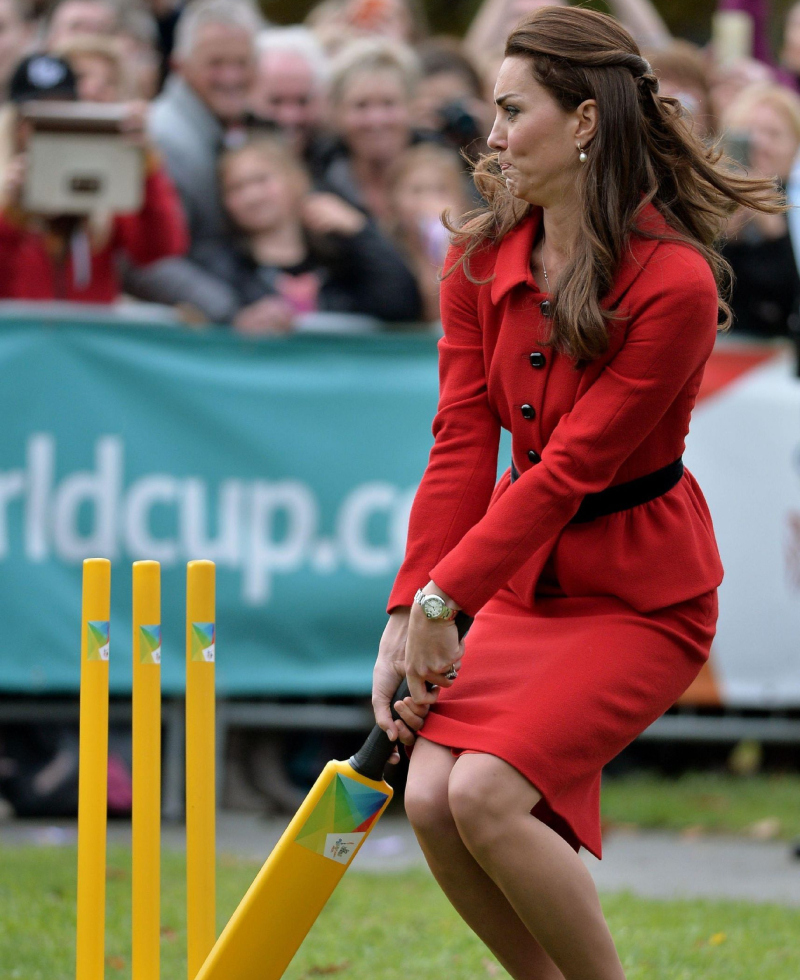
470	890
543	878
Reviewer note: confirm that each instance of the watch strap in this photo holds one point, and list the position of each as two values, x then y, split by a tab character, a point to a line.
445	616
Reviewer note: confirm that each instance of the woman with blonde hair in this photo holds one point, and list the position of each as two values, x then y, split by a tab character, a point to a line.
763	122
579	309
373	84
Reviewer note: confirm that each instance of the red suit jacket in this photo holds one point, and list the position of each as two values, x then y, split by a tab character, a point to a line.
586	428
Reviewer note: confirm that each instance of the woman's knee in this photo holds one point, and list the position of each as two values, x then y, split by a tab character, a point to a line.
473	813
483	794
426	788
426	802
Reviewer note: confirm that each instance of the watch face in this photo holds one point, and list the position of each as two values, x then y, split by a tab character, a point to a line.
433	606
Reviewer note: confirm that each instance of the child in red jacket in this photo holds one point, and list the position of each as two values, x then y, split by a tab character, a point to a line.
68	257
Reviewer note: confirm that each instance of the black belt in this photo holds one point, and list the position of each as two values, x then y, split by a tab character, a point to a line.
625	495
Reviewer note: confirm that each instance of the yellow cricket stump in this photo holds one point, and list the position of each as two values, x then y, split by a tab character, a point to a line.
200	764
146	812
93	772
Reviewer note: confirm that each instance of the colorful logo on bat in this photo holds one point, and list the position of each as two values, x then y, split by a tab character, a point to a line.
204	637
341	819
97	639
150	644
342	849
339	847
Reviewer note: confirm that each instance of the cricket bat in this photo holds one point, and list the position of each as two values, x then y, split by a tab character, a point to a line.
307	863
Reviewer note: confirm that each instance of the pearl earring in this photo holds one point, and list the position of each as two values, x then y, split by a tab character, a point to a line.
582	155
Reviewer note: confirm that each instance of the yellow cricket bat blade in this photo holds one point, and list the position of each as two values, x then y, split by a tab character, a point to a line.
305	866
307	863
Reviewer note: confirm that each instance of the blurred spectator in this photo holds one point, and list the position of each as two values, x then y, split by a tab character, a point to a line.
729	80
740	30
302	252
101	72
643	20
291	91
757	33
486	35
372	90
766	121
682	75
790	50
337	22
495	19
201	110
72	257
16	36
138	34
167	13
398	20
326	23
214	61
450	98
80	17
426	181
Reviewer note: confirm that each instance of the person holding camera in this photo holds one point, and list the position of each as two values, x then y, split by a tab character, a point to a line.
72	256
450	99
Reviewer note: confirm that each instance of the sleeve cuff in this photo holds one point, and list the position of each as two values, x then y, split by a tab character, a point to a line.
462	592
401	596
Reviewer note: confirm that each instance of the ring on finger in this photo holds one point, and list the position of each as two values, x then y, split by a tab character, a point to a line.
451	673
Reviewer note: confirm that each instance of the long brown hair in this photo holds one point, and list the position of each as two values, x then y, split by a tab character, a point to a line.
644	150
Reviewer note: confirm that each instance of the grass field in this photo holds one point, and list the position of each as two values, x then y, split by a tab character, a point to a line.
380	927
387	927
706	802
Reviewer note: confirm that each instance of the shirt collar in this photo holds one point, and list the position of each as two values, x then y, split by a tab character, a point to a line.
189	104
513	266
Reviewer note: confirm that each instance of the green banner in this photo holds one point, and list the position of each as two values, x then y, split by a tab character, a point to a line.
290	462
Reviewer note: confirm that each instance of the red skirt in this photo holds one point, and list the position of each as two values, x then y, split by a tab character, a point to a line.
557	690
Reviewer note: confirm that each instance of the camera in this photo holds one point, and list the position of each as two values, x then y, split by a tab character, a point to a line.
458	125
80	160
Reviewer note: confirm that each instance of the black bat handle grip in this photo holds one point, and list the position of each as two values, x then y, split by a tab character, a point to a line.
371	758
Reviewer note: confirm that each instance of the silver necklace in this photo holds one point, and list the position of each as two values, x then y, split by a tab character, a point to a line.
544	269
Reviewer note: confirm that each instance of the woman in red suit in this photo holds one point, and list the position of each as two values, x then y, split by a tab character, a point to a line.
579	309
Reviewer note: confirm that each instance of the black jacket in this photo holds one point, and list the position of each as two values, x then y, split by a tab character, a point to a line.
361	273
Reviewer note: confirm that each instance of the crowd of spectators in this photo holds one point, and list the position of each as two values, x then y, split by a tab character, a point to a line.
297	170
